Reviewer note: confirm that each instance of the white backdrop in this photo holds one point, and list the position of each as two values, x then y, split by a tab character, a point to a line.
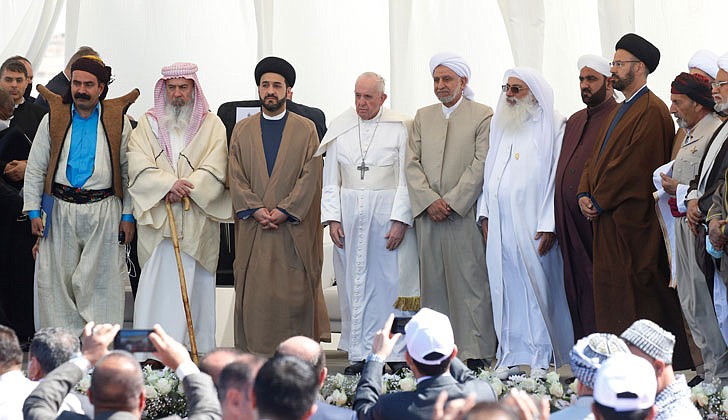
330	42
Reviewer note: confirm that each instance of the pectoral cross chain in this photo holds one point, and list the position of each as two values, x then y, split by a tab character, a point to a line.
363	168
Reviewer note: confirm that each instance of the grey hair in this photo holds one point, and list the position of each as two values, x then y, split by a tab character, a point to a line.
53	347
375	76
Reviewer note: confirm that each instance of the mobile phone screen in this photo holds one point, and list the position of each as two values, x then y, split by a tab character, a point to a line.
399	323
133	341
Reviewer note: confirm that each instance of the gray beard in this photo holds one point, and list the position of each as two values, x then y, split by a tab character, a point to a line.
177	117
516	115
720	107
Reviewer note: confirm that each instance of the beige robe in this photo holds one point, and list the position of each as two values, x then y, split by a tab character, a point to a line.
203	162
277	272
445	159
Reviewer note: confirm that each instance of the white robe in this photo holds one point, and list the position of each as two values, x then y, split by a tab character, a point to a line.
529	303
368	275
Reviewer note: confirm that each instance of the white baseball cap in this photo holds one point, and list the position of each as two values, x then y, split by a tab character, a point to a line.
427	332
625	382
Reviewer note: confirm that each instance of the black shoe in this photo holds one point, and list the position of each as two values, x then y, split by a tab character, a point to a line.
397	366
696	380
477	364
354	368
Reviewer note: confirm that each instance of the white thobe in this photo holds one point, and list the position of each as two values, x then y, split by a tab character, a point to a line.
529	303
367	274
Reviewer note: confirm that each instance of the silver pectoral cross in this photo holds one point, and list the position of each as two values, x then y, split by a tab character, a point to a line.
363	168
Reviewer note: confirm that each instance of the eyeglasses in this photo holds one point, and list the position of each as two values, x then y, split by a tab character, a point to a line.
718	84
514	89
621	63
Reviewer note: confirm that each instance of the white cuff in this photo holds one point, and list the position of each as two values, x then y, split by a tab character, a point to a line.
186	368
82	363
680	195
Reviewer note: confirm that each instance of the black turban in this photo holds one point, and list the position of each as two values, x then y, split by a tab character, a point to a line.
275	65
640	48
696	87
93	65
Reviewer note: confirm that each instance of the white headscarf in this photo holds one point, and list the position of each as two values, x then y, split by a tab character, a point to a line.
546	130
596	63
706	61
723	62
455	63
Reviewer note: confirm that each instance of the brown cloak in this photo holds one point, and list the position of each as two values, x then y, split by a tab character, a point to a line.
631	272
277	272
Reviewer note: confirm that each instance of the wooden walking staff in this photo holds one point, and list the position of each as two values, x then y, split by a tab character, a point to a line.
181	270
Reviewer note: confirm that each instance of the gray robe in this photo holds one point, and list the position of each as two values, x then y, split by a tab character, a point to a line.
445	159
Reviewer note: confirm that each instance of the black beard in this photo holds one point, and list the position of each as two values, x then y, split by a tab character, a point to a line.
272	107
621	84
597	97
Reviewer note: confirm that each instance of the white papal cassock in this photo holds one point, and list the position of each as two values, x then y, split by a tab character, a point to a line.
370	278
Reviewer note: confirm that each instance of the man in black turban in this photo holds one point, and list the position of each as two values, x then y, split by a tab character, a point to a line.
631	268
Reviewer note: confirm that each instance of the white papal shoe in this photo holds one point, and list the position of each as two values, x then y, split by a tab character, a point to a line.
505	372
538	373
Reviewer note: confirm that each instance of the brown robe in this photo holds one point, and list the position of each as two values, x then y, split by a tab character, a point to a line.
573	231
631	272
277	272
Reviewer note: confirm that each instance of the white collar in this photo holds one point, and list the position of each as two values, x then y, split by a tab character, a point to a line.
274	117
635	93
447	111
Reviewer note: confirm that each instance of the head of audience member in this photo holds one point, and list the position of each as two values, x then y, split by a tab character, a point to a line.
11	356
369	95
14	78
215	361
429	343
624	388
234	386
490	410
450	75
117	384
594	80
307	350
587	356
275	78
90	78
720	85
7	107
285	389
691	99
654	344
29	70
634	59
704	62
81	52
50	348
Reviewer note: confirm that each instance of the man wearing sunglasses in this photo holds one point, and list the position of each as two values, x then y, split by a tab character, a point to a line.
631	270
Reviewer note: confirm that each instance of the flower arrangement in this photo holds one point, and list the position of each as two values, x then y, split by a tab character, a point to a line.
165	393
710	399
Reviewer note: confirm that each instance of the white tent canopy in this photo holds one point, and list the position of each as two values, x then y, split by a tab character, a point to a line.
330	42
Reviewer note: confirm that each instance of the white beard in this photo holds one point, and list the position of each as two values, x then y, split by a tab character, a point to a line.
177	118
514	116
720	107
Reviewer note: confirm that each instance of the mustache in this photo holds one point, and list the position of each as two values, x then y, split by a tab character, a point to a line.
82	96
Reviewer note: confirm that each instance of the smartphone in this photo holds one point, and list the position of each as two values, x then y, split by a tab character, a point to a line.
133	341
399	323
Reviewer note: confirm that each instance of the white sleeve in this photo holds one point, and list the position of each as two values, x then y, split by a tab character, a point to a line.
37	167
331	194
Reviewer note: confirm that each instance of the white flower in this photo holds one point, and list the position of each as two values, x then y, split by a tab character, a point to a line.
337	398
497	385
85	383
724	406
709	389
724	392
181	390
150	391
573	386
164	386
552	377
701	399
528	384
407	384
556	389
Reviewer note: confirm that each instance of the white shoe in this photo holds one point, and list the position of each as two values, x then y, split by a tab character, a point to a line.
505	372
538	373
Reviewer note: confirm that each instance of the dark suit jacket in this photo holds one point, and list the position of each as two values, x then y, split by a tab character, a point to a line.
26	118
44	402
417	404
331	412
58	84
715	176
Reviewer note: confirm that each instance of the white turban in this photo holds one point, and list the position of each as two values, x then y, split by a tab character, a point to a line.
455	63
706	61
596	63
723	62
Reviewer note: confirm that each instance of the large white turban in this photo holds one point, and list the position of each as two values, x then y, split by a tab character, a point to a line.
723	62
455	63
706	61
596	63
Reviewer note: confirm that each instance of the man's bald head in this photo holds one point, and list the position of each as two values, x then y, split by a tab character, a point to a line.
117	384
214	362
305	349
